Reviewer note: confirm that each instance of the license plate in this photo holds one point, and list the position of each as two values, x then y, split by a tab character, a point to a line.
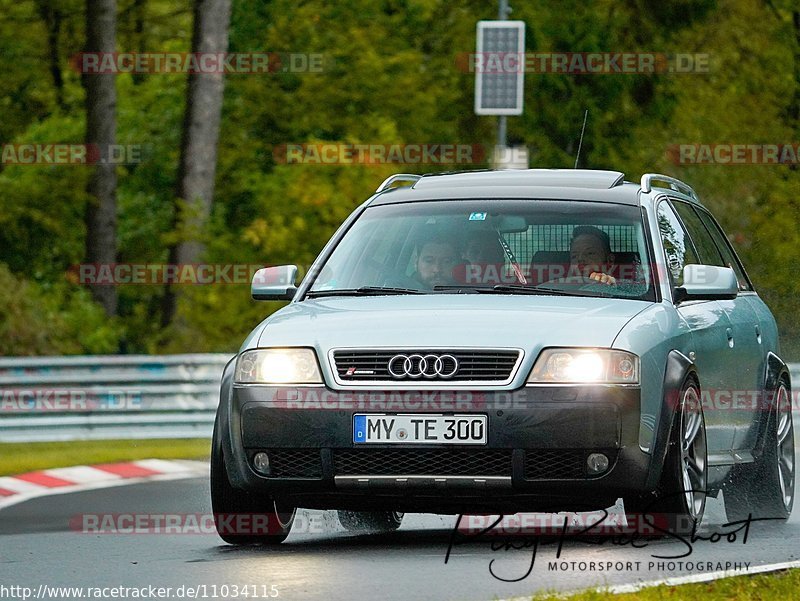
416	428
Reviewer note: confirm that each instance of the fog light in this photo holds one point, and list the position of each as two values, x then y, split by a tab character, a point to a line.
597	463
261	463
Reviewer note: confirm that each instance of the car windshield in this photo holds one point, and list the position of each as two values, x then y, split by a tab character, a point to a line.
574	248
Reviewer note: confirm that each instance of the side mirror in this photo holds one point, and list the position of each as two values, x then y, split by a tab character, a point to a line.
274	283
707	282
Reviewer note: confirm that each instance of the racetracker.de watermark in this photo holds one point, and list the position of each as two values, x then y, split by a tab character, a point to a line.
229	63
190	274
734	154
60	400
244	524
121	274
420	400
583	63
335	153
588	523
60	153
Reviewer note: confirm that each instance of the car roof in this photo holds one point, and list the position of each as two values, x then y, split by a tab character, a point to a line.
551	184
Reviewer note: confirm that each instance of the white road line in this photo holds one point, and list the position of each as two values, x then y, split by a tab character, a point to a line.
678	580
675	581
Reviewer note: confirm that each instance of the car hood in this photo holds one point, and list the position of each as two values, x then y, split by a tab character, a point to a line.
447	320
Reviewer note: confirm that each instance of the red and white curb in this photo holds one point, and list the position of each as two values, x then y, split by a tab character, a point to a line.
19	488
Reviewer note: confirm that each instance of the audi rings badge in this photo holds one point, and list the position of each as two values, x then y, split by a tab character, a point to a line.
423	366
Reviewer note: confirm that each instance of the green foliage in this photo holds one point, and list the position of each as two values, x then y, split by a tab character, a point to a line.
41	207
52	318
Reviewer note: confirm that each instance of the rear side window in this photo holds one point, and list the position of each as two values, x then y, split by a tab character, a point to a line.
729	256
678	247
707	251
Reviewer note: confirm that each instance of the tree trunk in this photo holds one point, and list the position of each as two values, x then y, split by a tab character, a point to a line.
52	17
139	9
195	190
795	105
101	105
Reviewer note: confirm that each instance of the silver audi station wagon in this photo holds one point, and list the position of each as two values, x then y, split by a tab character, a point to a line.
503	341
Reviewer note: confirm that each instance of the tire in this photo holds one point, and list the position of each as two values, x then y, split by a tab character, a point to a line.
381	521
678	503
267	522
765	488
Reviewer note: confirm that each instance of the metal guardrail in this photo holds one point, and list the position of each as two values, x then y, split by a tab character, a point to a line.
109	397
116	397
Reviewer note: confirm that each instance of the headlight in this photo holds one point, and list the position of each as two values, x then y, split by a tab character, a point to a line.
572	366
278	366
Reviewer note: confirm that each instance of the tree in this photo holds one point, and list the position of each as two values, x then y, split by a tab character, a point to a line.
198	161
52	18
101	106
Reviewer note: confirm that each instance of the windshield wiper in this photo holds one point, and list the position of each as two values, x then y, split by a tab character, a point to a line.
524	289
362	291
462	288
513	288
554	291
507	289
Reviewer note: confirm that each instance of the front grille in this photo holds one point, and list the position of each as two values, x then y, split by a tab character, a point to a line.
295	463
555	464
422	462
482	365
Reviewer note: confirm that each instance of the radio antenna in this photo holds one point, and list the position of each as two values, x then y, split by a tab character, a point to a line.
580	142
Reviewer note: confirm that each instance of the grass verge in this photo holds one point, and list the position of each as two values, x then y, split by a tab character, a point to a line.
18	458
777	586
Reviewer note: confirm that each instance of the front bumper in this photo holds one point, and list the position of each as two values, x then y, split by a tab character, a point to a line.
535	457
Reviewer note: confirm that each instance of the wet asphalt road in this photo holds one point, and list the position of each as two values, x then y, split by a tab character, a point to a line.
320	560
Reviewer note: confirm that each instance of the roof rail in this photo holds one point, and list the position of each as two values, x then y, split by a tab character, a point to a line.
674	184
398	177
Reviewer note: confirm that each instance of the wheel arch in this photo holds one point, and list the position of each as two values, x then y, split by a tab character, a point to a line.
776	369
223	421
678	368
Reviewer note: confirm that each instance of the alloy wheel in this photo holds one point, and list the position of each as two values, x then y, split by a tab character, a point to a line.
694	454
785	440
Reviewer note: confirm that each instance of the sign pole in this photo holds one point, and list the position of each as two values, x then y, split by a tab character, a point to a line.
502	15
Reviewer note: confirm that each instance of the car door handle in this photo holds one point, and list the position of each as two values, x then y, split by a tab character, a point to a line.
729	334
758	334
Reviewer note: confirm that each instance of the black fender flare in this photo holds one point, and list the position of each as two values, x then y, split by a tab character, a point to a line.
223	439
678	367
775	369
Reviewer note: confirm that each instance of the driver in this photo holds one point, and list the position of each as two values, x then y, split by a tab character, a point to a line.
436	259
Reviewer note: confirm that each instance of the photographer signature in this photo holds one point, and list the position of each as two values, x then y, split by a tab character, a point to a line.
592	534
